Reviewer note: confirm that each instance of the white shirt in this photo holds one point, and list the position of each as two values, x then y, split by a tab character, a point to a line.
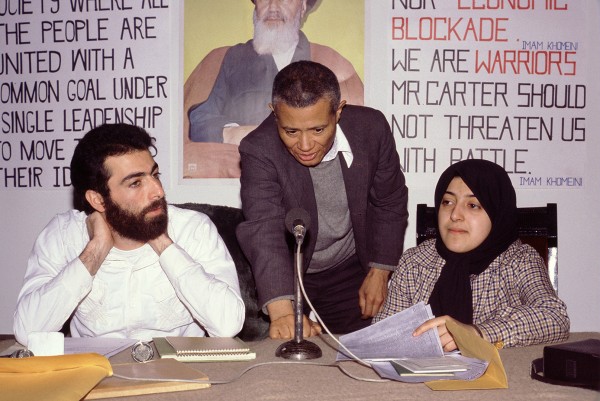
340	144
190	290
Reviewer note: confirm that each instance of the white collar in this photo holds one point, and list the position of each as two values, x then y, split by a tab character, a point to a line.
285	58
340	144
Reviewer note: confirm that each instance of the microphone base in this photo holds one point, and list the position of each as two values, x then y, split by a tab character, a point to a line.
299	350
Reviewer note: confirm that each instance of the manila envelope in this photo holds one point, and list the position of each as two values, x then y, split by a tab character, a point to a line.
473	346
170	375
62	377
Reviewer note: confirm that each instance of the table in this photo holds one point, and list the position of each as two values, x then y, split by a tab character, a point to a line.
295	381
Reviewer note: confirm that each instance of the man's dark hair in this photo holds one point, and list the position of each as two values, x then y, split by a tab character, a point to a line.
87	165
304	83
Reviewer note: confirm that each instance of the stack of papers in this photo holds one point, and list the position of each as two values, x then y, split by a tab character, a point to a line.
392	350
392	338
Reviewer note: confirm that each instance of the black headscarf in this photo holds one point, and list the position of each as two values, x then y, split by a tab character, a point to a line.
491	185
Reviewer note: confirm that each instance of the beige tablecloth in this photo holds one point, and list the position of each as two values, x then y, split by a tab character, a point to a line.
295	381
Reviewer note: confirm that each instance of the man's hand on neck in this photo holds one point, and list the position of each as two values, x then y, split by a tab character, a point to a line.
103	238
101	242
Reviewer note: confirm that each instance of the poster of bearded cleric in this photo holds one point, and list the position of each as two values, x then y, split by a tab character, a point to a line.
509	81
232	51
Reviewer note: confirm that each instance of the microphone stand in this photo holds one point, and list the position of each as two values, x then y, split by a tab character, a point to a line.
298	348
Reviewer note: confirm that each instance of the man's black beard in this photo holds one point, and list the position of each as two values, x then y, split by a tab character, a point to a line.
136	226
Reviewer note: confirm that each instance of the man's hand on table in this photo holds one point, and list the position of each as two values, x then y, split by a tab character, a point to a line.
283	322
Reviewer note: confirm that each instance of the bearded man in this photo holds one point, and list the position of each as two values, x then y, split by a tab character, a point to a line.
239	99
127	265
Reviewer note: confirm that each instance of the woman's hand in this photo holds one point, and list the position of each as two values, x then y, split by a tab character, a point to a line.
446	337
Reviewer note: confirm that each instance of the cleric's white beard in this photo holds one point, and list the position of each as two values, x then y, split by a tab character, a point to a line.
276	40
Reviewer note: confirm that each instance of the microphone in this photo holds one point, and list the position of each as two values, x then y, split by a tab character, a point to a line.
297	221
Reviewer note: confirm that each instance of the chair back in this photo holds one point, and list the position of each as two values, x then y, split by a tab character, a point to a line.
537	227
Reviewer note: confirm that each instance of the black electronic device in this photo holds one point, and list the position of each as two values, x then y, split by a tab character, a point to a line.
570	364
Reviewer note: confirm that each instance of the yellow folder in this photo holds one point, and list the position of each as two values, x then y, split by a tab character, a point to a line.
63	377
473	346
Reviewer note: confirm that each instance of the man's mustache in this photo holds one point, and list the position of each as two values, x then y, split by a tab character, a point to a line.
162	203
271	15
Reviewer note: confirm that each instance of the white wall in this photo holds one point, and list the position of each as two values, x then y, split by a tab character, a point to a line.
24	213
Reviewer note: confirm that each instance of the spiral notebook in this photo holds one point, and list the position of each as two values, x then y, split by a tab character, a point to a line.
203	349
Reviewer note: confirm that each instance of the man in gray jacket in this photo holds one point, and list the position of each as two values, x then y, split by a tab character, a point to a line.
339	163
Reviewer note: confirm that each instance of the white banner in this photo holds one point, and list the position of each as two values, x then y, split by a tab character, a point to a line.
67	66
502	80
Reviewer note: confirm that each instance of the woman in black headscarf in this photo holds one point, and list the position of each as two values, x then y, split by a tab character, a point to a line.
477	272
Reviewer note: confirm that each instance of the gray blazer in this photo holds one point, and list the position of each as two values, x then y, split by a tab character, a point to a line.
273	182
